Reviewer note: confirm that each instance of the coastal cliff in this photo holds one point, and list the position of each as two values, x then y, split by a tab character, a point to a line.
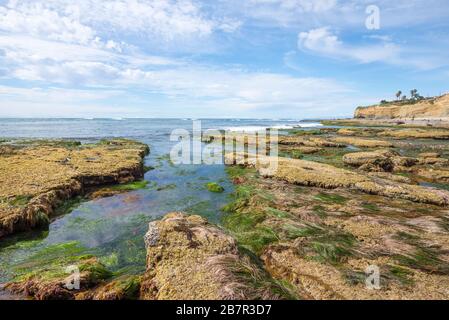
434	108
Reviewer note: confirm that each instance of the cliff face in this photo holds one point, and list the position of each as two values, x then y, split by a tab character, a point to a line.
435	108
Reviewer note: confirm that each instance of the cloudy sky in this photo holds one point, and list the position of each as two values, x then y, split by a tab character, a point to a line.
221	58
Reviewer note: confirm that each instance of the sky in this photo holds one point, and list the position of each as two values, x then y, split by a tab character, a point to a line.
296	59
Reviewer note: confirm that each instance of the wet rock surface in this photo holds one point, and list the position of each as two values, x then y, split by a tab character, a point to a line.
188	258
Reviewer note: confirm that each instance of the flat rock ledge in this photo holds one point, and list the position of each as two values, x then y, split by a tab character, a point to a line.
188	258
36	179
309	173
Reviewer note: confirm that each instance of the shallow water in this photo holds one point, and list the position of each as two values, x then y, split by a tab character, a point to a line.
112	228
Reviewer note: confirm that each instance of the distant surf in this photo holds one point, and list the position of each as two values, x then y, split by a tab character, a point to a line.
279	127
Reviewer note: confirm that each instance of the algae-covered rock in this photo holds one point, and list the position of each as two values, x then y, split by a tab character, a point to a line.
188	258
363	143
48	286
37	178
315	142
318	281
214	187
308	173
123	288
435	175
380	160
416	133
442	162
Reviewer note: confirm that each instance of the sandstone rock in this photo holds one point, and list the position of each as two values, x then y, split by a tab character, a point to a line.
187	258
435	108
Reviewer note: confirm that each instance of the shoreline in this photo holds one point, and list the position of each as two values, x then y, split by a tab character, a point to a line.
397	122
298	226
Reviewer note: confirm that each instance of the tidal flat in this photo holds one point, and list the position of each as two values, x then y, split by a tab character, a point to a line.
343	199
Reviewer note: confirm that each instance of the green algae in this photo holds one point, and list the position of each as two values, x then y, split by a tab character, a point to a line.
132	186
331	156
204	209
97	271
130	287
331	250
63	143
331	198
214	187
388	274
170	186
21	201
50	262
314	132
444	222
239	171
370	207
17	201
320	211
425	258
68	206
400	274
148	168
295	154
251	272
278	213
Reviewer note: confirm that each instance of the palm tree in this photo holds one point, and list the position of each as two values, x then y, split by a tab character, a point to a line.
414	93
398	94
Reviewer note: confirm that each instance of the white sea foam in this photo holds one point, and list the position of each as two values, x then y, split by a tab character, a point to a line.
309	125
245	129
279	127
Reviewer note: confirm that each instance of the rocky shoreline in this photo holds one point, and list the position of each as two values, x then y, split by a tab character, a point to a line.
341	201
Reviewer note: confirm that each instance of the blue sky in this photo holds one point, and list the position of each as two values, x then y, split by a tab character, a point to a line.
234	58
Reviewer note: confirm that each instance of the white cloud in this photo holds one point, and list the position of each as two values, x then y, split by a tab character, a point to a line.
200	89
323	41
298	5
82	21
56	95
